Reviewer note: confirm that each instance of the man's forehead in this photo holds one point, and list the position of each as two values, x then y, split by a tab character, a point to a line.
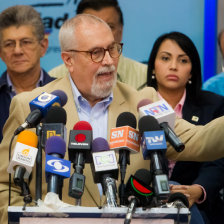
17	32
94	33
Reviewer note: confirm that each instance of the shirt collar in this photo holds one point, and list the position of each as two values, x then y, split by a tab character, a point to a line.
12	89
179	107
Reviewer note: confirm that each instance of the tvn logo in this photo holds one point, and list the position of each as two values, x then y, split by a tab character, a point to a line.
156	110
154	140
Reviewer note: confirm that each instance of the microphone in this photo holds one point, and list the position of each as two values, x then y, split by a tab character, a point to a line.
154	147
79	151
139	192
56	168
22	162
105	170
125	139
24	155
178	200
54	124
39	107
165	115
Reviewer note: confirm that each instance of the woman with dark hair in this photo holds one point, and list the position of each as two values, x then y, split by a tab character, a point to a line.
174	70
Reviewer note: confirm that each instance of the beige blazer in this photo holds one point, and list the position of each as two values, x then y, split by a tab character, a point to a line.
202	143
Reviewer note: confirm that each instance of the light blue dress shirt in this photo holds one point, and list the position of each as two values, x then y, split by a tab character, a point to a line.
97	115
215	84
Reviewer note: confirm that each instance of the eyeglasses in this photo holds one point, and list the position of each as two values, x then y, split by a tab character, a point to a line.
97	54
24	44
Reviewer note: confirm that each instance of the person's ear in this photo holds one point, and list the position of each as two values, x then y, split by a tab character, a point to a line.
44	46
68	60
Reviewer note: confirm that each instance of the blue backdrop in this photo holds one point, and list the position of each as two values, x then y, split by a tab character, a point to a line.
144	21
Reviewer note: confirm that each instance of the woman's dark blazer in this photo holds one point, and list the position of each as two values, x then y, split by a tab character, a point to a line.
210	175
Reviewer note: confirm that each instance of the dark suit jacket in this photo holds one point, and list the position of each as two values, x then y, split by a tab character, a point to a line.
5	98
210	175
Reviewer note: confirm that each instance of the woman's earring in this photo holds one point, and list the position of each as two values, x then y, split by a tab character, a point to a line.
153	76
189	82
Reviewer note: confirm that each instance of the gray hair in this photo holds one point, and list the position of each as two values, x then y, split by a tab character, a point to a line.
20	15
67	31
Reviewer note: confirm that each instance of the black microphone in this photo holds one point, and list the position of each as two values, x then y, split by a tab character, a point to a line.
40	106
104	169
55	151
138	191
178	200
172	138
125	139
79	151
54	124
154	147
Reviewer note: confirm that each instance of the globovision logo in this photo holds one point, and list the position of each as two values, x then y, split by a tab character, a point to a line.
45	97
58	166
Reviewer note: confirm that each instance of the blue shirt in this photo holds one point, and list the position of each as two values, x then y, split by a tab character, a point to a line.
215	84
97	115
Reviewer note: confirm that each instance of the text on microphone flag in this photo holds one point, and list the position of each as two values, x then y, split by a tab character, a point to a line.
125	136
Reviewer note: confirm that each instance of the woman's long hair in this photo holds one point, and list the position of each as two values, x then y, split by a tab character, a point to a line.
186	44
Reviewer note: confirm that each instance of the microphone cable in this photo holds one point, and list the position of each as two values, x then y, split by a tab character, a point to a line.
10	180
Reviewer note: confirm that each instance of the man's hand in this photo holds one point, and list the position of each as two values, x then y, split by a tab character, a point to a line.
192	192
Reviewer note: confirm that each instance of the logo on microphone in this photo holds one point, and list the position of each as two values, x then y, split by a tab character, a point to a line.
125	137
25	152
24	157
52	133
105	160
44	97
57	166
153	140
158	109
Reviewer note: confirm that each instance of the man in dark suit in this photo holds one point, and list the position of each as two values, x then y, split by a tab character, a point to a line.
22	44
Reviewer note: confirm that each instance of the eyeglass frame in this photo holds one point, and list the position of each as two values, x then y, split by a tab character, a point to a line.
91	51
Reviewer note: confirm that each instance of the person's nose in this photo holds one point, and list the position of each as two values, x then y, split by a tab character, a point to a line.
18	48
107	60
173	64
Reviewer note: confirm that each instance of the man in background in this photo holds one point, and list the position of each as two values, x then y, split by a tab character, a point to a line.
22	44
216	83
129	71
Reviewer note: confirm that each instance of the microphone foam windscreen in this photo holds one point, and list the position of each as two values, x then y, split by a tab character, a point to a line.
144	175
100	144
55	144
28	138
126	119
143	102
178	196
56	115
82	125
62	95
148	123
